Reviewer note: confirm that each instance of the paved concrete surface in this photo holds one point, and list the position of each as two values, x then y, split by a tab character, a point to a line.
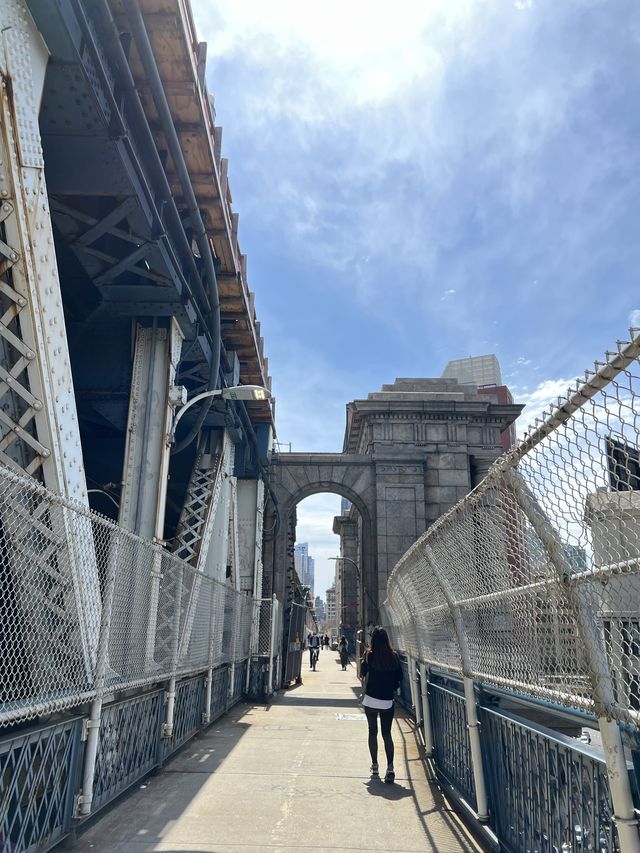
290	776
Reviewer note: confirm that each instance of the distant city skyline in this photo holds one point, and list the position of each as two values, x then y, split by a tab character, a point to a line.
305	565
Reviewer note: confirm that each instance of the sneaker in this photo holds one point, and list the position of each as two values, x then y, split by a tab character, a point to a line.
389	776
374	771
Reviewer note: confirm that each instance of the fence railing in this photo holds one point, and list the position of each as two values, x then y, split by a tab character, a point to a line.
89	610
87	607
42	769
532	582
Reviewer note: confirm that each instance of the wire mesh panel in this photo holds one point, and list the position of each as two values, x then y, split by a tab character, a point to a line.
264	634
128	744
548	793
164	618
537	571
38	778
49	619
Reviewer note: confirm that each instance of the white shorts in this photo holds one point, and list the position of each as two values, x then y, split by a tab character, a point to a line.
377	704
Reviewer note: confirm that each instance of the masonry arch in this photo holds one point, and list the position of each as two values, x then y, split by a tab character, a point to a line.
296	476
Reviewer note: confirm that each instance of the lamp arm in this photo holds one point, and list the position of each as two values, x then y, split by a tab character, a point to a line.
188	405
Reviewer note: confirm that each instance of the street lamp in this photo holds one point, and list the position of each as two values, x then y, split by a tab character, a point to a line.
364	588
349	560
236	392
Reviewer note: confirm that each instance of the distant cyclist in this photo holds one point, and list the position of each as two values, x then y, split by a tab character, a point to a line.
314	649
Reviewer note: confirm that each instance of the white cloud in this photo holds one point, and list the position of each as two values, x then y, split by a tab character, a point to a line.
351	110
537	402
634	318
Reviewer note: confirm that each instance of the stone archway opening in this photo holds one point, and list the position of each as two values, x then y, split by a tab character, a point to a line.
327	530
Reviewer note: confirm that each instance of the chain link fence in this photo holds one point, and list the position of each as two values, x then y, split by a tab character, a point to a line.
532	581
87	606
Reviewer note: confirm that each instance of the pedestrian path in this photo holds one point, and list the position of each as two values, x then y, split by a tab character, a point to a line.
293	775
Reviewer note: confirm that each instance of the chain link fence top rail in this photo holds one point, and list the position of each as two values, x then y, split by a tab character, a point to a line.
532	582
86	606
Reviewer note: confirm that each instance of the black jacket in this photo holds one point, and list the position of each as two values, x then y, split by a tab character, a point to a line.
381	684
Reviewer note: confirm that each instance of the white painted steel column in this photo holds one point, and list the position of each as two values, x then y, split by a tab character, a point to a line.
146	464
473	724
595	653
257	577
167	728
38	417
95	715
415	695
427	728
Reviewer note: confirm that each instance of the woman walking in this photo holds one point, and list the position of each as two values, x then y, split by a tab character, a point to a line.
381	674
343	650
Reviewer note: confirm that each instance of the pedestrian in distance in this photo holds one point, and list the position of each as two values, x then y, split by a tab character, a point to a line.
343	650
326	641
314	649
381	674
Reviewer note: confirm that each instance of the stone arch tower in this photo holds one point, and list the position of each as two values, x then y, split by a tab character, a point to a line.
410	452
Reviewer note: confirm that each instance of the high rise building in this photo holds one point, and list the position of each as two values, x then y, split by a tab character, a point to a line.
331	607
305	565
477	370
321	614
484	372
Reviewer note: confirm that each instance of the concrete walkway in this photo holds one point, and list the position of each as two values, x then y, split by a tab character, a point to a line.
290	776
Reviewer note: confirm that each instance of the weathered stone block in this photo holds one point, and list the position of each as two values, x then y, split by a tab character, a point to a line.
445	460
431	477
456	477
447	495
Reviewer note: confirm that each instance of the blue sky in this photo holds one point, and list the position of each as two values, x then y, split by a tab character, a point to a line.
420	181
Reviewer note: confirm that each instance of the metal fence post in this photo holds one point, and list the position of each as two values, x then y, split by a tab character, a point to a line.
473	724
167	728
595	654
415	694
206	714
427	728
85	799
272	641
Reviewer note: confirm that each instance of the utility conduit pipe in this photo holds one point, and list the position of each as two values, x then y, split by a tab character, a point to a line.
473	724
150	66
206	715
93	723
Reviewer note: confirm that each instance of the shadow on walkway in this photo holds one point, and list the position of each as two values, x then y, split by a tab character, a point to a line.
284	777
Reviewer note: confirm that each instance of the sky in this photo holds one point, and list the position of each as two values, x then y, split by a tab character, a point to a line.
421	181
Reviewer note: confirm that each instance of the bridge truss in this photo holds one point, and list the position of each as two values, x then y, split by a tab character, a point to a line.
130	569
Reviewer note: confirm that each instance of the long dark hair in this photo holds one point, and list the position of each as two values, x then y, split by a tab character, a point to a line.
380	654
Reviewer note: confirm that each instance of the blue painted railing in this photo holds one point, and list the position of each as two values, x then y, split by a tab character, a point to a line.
41	768
452	751
38	774
547	792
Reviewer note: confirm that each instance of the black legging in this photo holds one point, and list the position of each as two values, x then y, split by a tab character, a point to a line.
386	718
